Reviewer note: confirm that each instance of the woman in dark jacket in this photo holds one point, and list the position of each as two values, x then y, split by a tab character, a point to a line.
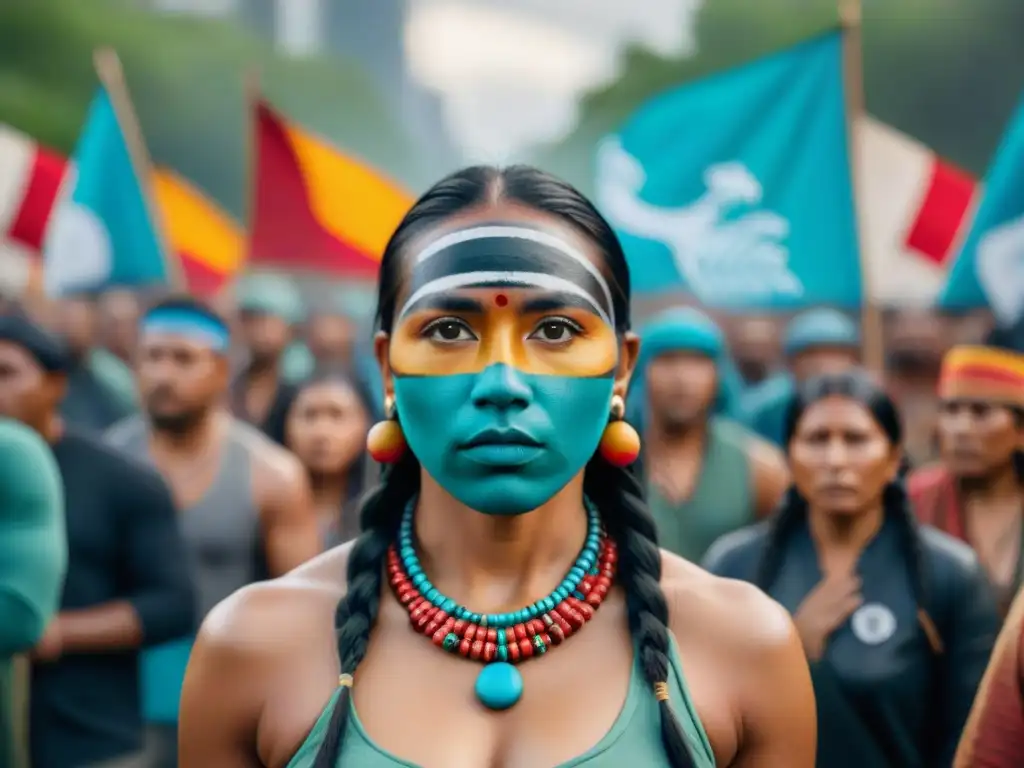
897	620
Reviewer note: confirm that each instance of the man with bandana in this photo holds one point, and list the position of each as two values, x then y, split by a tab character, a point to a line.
244	503
817	341
976	492
127	584
706	474
33	560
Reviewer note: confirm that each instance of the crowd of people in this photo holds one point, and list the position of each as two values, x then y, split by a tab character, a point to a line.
202	563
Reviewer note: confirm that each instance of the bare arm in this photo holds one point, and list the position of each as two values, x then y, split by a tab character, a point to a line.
779	722
290	533
769	474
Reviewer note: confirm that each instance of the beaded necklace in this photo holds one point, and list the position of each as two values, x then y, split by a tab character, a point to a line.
502	640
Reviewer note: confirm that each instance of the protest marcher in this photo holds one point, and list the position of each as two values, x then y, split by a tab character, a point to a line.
504	311
33	562
268	309
976	491
815	342
705	474
127	582
994	734
244	502
897	620
326	429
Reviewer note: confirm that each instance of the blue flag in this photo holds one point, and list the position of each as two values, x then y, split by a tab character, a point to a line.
102	234
736	188
989	270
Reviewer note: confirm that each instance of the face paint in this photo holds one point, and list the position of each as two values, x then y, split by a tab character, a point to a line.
503	364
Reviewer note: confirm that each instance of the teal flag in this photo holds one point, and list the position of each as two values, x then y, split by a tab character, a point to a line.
102	234
989	270
736	188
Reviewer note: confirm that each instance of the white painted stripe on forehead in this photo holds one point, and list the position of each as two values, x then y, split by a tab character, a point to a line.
530	279
521	233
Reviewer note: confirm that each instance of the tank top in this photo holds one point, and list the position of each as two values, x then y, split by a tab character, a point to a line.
634	738
721	502
221	531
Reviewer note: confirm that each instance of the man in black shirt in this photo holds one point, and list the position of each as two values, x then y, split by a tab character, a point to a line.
127	582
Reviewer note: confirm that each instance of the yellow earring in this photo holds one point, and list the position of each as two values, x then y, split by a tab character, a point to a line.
620	443
385	441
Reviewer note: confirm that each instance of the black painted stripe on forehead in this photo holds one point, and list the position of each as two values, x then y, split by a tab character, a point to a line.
488	255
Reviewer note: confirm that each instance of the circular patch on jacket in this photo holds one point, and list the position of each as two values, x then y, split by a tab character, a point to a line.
873	623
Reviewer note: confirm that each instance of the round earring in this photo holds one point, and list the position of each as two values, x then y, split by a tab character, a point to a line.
385	441
620	443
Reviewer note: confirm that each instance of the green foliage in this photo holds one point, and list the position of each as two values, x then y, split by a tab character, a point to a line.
186	79
946	71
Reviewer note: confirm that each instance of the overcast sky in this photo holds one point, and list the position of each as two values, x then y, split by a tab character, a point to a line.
510	71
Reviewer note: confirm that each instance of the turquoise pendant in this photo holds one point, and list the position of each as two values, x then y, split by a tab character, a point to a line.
499	685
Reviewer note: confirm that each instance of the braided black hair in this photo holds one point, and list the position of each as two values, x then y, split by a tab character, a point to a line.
792	512
615	491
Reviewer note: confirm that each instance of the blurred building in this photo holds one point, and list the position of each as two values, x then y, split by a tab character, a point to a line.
369	32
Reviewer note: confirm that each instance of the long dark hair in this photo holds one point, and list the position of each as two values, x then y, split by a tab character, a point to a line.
858	386
615	491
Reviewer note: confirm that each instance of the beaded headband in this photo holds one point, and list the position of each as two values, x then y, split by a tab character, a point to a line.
983	373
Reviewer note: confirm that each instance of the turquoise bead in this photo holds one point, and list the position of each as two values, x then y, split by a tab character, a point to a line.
451	642
499	686
502	653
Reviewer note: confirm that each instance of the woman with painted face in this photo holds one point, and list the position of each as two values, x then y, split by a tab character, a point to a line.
506	603
897	621
326	428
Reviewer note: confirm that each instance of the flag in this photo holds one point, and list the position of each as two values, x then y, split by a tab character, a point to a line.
102	233
315	208
915	209
209	243
30	177
736	188
989	270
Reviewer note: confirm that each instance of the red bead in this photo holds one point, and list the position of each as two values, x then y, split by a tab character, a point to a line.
438	637
534	627
416	603
601	590
582	608
594	599
460	626
545	638
561	623
520	631
510	636
464	647
470	632
513	652
556	634
476	650
610	556
525	648
572	616
490	651
407	598
608	573
492	635
585	587
424	621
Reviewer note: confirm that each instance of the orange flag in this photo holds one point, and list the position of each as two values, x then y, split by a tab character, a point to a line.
315	208
209	243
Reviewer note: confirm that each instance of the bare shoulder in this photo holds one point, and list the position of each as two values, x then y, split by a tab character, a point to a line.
269	459
249	622
735	617
765	457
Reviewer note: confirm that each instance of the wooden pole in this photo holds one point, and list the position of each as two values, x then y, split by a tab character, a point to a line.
111	75
853	81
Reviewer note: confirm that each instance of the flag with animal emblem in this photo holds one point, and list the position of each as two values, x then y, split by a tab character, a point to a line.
737	188
102	233
989	269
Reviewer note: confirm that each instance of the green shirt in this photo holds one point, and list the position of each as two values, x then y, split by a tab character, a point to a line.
33	560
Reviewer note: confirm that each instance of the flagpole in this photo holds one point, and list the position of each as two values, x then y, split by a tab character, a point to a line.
850	16
111	75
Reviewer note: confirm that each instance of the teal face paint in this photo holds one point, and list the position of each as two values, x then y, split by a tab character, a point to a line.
501	441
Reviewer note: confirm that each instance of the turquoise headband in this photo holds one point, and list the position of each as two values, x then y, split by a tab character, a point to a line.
179	321
820	328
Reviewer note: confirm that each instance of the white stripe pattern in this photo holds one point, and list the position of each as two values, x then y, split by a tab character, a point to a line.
520	233
530	279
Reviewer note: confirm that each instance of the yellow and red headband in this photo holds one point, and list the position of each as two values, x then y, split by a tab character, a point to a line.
983	373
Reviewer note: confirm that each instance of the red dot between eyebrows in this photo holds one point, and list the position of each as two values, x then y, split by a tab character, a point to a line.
501	299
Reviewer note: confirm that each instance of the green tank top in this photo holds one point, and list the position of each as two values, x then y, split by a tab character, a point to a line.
721	502
634	738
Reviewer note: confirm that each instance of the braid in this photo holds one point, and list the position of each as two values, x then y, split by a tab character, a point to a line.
792	509
357	612
896	504
618	495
